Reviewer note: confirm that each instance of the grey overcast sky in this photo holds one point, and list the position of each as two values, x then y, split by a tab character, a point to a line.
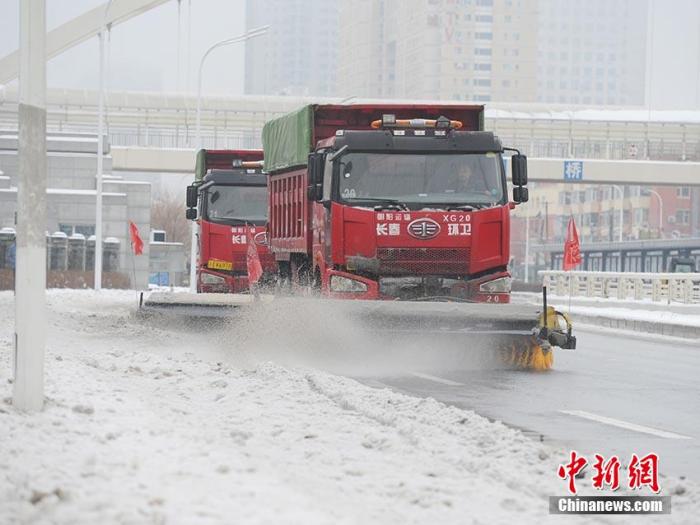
143	52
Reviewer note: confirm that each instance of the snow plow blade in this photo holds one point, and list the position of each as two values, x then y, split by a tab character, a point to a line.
195	305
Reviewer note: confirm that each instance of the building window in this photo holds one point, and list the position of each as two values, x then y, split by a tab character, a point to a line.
482	51
683	192
483	36
683	216
482	82
83	229
482	67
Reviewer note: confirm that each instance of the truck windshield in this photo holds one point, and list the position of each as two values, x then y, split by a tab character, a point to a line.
427	179
234	204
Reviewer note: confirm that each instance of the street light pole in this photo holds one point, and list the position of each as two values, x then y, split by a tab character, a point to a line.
30	267
241	38
661	212
622	207
100	154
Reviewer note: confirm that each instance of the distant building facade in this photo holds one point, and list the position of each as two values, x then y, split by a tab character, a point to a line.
298	53
71	170
592	52
477	50
551	51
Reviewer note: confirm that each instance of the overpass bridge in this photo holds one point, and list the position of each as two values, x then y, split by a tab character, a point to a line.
182	160
167	120
593	171
154	132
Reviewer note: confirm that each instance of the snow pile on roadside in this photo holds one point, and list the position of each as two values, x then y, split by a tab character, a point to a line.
146	424
612	308
649	316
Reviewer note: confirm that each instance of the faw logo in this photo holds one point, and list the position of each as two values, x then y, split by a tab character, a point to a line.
424	229
260	238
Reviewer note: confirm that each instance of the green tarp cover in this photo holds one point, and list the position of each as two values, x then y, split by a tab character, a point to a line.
287	140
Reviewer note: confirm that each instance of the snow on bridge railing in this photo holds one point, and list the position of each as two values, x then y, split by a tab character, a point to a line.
657	287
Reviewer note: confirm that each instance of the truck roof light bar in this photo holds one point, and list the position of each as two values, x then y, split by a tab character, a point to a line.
248	164
390	121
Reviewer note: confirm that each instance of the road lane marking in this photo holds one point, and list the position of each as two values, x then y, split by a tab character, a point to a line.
436	379
624	424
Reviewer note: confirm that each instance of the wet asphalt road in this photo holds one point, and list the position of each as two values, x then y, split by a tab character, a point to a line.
626	395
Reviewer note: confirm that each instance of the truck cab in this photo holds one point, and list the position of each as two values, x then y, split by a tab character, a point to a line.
411	204
229	201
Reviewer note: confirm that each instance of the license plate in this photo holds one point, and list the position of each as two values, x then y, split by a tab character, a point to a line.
215	264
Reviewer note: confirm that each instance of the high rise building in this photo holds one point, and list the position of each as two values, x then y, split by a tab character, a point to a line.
478	50
297	55
592	52
552	51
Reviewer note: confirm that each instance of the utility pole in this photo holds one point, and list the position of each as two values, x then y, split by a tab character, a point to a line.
30	267
100	152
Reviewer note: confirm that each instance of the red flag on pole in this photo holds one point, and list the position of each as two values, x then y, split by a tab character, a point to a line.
572	248
255	270
136	242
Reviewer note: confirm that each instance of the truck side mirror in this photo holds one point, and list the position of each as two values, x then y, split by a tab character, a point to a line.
519	169
520	194
192	193
191	214
316	165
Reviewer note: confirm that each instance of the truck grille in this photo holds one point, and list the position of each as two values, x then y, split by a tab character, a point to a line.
267	260
423	261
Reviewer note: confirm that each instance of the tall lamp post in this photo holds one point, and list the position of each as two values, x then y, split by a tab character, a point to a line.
241	38
100	153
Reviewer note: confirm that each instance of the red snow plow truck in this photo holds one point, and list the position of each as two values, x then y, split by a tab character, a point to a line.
404	203
229	200
392	202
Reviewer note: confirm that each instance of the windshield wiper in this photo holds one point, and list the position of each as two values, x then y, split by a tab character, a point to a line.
387	203
468	207
234	220
459	207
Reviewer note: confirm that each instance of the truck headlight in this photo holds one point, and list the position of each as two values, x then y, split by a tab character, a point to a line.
210	278
343	284
501	285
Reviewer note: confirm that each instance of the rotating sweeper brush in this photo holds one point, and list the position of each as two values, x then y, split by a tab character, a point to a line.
520	336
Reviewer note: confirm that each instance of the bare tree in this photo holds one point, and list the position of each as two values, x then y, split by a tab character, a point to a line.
168	213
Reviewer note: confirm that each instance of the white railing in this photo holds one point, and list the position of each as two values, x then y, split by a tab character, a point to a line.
657	287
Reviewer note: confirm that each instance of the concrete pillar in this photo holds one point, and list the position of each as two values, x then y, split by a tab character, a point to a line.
30	283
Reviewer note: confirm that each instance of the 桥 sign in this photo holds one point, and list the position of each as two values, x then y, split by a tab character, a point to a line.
573	170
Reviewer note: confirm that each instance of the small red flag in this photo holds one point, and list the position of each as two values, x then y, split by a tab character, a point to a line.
136	242
255	270
572	248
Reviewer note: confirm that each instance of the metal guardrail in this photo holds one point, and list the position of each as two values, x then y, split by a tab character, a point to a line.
657	287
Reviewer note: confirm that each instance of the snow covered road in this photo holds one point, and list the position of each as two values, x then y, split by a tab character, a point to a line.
148	424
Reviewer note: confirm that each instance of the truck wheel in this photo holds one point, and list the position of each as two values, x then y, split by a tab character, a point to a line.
284	277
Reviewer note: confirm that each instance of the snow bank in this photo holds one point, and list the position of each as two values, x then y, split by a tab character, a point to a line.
149	424
646	310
